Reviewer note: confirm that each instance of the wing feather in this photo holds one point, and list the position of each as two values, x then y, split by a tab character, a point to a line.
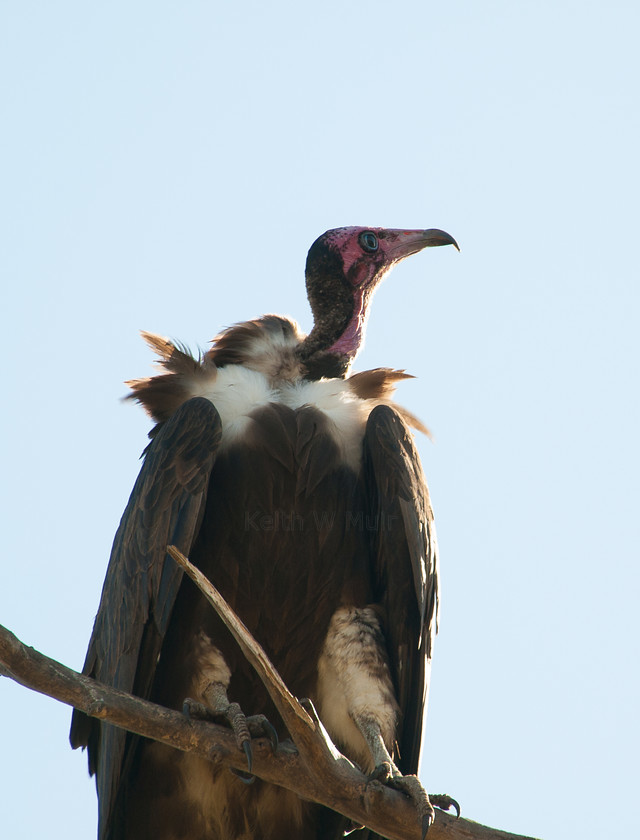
142	581
405	555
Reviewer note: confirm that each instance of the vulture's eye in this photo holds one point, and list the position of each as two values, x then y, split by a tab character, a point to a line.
369	242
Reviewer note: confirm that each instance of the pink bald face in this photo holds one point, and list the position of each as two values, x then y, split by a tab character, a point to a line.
368	253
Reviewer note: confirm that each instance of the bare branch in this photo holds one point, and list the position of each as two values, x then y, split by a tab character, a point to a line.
384	810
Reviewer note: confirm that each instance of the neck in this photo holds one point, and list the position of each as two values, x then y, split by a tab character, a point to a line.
322	355
352	339
326	365
333	343
326	352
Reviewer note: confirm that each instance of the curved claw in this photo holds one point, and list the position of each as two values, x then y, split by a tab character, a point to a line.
246	778
427	819
271	734
445	802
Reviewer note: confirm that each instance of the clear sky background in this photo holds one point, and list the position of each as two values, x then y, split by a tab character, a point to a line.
165	166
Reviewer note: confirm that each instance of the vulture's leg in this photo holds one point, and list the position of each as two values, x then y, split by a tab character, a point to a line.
210	702
385	771
357	702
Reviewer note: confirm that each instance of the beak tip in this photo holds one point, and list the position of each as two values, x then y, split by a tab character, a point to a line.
437	237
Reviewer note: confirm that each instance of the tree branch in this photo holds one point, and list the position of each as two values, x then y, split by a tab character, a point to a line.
382	809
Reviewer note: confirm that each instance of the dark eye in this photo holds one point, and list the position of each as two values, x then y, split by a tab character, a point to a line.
369	241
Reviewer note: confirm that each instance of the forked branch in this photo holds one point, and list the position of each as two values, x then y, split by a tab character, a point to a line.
315	769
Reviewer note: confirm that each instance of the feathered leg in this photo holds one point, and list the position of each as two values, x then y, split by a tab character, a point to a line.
210	702
357	702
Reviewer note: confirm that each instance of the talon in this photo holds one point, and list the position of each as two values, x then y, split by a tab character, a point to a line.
427	819
272	735
219	710
412	787
445	802
245	778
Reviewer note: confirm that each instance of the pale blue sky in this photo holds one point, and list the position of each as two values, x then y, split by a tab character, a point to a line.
165	166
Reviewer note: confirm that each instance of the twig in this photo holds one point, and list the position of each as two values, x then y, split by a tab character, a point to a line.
322	758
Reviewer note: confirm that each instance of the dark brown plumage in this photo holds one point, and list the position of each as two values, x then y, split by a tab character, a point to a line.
297	490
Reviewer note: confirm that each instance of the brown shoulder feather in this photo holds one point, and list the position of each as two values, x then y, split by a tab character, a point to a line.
376	384
379	384
163	394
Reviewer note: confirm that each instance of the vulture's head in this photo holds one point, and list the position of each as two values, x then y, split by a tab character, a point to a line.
344	267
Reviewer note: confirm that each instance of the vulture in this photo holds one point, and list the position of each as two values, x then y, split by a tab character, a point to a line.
294	485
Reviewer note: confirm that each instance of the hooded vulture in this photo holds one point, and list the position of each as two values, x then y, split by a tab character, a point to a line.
294	485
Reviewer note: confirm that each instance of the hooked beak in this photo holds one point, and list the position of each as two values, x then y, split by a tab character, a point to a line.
406	242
